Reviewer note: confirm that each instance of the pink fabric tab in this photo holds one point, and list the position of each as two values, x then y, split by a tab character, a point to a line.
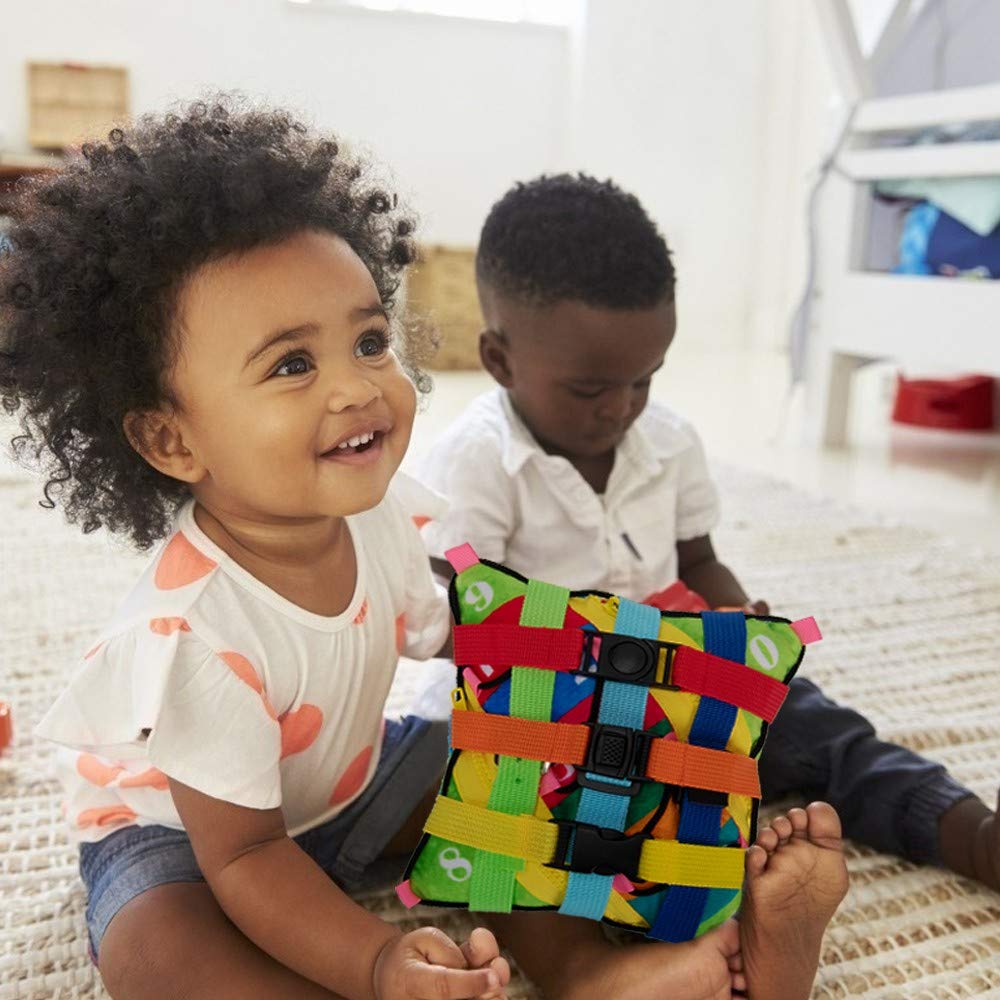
472	680
461	557
555	777
807	630
621	884
407	896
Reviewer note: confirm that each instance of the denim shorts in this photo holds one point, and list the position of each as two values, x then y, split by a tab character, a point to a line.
131	861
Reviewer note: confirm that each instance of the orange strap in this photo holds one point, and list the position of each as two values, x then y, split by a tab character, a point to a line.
689	766
670	761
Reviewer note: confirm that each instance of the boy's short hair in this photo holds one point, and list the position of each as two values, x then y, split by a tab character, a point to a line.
572	237
99	253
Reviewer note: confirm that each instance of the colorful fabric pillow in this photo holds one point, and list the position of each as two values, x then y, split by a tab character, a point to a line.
603	754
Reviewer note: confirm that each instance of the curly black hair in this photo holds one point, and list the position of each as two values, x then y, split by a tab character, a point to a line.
573	237
100	252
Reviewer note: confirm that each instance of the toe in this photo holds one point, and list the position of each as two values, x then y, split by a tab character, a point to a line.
824	824
756	860
799	819
738	982
782	826
767	839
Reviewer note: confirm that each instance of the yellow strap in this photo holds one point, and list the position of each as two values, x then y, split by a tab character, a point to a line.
664	861
474	773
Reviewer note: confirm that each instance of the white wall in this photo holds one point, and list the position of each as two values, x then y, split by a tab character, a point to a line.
696	106
704	108
460	109
803	116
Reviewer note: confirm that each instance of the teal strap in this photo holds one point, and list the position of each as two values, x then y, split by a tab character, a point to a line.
621	705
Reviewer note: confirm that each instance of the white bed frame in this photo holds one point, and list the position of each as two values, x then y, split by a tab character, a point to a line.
856	316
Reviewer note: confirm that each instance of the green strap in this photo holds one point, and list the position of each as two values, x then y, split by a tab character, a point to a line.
515	788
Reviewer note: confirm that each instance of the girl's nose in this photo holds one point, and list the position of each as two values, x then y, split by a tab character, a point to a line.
352	391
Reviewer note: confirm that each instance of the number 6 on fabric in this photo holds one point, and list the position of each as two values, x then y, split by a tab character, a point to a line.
603	756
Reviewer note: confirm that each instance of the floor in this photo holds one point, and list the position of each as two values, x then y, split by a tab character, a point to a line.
748	418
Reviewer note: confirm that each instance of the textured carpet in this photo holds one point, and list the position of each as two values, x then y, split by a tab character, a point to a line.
912	624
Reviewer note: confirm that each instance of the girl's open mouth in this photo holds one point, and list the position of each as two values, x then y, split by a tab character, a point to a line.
358	450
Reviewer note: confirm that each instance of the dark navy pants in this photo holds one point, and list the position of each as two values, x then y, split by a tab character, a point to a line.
888	797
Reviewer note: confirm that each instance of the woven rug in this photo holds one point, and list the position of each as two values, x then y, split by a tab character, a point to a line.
912	626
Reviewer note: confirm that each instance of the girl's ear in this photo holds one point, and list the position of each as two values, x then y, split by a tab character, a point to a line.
156	436
493	352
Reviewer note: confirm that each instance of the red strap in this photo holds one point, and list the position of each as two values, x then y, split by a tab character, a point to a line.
734	683
562	649
518	646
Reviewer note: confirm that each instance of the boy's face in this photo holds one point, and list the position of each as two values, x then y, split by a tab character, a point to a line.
578	375
284	356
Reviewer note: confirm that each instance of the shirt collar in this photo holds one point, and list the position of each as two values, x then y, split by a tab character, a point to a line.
519	443
640	448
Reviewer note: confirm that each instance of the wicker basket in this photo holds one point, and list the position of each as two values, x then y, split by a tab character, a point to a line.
70	102
441	289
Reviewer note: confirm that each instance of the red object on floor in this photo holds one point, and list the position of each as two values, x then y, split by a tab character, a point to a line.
6	726
957	404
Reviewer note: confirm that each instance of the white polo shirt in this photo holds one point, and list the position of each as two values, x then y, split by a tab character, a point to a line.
536	514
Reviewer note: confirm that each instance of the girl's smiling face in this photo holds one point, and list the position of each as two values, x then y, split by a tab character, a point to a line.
291	403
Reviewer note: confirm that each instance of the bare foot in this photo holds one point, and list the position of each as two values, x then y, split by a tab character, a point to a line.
708	968
987	848
796	878
969	836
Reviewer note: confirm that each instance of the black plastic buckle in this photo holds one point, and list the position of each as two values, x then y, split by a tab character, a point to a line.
626	658
599	851
615	752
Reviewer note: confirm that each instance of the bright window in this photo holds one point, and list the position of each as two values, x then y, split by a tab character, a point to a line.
553	12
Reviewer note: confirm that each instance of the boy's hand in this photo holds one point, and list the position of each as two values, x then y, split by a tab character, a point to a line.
750	608
427	965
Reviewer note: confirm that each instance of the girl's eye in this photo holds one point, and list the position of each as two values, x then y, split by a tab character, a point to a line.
586	394
297	365
373	344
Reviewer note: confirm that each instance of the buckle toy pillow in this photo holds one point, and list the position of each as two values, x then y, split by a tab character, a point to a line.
603	754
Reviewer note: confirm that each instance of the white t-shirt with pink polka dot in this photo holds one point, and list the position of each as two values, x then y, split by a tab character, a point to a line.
208	676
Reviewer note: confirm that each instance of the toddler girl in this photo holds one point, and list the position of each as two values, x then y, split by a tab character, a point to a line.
198	332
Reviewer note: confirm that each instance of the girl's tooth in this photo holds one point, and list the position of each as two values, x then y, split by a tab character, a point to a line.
357	440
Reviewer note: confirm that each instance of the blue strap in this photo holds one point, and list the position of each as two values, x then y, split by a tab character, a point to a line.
683	906
621	705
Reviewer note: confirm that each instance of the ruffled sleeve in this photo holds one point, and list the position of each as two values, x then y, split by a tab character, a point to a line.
426	618
199	715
